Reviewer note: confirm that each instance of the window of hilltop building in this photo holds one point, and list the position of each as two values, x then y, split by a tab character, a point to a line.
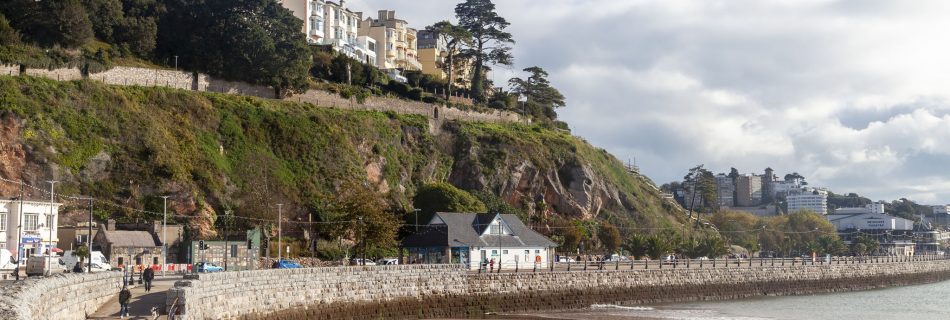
50	220
3	222
504	251
30	221
234	251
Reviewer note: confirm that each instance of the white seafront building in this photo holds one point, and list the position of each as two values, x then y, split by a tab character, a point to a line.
37	219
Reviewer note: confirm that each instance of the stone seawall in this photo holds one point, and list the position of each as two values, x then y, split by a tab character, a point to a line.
445	291
65	296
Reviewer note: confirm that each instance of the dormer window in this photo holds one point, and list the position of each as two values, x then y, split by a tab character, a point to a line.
495	229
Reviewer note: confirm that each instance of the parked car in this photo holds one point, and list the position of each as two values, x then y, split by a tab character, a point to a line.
361	262
286	264
565	259
617	257
670	259
208	267
387	261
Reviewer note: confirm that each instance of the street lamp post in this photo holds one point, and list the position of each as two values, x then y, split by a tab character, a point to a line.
227	247
280	216
362	243
50	223
164	226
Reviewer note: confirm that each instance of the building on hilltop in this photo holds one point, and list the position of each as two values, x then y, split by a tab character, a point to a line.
433	51
725	190
396	43
37	220
748	190
332	24
808	199
471	238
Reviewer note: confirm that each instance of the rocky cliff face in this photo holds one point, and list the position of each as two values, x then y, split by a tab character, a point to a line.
129	146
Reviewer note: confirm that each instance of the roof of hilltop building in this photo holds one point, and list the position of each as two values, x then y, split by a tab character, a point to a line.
469	230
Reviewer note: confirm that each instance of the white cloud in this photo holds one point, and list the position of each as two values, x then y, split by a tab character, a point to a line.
850	93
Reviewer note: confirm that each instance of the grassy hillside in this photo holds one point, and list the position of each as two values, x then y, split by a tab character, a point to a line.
131	145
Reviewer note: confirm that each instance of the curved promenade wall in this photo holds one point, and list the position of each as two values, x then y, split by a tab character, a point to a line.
448	291
64	296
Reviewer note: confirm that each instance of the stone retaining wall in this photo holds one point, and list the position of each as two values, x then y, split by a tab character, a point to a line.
63	296
329	99
446	291
127	76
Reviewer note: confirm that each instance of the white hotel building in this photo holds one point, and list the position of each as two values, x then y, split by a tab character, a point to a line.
333	24
809	199
38	218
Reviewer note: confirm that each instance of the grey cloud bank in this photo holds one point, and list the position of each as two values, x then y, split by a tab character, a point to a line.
851	94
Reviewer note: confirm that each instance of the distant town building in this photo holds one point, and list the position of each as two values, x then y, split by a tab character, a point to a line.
877	208
725	189
783	188
768	181
941	209
896	235
809	199
470	238
37	219
748	190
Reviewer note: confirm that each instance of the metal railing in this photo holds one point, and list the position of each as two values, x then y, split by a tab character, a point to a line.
722	263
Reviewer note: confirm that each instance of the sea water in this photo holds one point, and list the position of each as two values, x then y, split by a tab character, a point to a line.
920	302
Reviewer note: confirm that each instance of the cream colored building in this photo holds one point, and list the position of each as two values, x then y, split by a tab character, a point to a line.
432	53
396	41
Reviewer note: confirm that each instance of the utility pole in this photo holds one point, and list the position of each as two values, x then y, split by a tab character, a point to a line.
19	239
165	220
417	219
280	216
51	221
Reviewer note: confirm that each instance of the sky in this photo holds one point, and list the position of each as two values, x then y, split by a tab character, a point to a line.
852	94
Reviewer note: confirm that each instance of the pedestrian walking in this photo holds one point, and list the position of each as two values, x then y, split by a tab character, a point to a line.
491	265
77	268
124	296
148	275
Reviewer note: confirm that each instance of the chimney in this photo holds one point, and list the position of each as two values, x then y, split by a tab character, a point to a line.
343	4
110	225
157	227
382	15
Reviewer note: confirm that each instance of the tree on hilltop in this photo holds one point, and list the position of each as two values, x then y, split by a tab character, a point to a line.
250	40
490	43
455	37
540	97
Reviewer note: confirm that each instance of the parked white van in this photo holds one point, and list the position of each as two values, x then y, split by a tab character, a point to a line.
7	262
98	263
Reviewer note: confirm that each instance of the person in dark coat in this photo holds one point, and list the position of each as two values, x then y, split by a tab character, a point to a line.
77	268
124	296
148	275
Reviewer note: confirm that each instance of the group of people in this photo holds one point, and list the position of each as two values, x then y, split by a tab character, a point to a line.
125	296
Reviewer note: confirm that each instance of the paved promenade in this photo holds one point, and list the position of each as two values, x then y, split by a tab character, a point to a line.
142	302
